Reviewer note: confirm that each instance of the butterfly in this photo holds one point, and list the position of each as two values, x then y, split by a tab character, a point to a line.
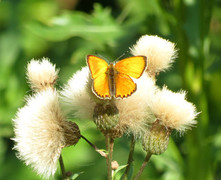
114	80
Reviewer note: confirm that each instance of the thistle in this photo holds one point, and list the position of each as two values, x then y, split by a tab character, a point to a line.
41	128
160	53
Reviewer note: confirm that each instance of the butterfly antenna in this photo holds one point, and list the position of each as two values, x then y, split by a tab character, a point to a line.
99	55
122	55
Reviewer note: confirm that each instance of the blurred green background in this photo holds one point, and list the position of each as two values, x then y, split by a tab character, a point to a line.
67	30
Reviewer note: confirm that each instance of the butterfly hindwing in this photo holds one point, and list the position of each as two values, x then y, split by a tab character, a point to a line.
133	66
124	86
101	86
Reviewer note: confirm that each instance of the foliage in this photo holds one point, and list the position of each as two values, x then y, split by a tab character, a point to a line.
66	33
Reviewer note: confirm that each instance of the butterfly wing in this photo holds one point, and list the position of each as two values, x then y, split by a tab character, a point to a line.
98	68
133	66
96	65
101	86
124	86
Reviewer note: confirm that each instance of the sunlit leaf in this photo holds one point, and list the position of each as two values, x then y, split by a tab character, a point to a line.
74	176
118	173
99	27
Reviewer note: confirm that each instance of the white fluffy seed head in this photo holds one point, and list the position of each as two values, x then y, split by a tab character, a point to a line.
41	74
40	132
77	97
160	53
173	110
134	111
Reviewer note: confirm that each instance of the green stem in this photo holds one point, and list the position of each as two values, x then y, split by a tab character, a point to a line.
146	160
130	158
111	152
63	172
95	147
108	160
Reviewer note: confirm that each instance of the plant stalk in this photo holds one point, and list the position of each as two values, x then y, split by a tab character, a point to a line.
146	160
109	174
109	147
111	152
95	147
130	158
63	172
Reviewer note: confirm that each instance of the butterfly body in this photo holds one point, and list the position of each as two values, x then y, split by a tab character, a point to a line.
113	80
111	73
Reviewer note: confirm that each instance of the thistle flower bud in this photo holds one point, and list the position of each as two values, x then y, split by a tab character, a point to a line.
106	116
71	133
117	131
41	74
155	141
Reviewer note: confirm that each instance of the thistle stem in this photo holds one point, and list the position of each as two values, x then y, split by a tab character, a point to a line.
95	147
109	146
111	152
130	158
146	160
63	172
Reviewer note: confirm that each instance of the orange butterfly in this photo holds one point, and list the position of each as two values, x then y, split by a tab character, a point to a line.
113	80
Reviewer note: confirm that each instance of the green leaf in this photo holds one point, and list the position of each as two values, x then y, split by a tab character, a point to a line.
99	27
74	176
117	174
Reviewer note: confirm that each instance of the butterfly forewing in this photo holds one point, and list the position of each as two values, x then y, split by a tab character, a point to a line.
124	86
132	66
97	66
